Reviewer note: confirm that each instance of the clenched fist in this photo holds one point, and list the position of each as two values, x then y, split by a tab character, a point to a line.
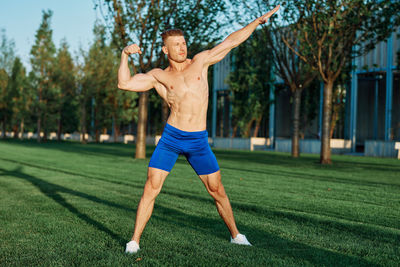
132	49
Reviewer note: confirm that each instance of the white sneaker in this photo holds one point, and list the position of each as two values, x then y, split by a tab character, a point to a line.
240	240
132	247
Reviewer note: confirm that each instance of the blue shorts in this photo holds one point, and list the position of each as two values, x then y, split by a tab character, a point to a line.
194	145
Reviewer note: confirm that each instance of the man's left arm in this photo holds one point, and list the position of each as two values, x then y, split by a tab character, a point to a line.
217	53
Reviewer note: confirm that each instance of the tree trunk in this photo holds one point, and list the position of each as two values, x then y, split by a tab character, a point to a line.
326	124
39	127
97	133
39	120
21	128
83	122
4	128
45	128
141	128
234	130
333	122
248	128
96	126
59	127
116	128
15	130
257	128
296	123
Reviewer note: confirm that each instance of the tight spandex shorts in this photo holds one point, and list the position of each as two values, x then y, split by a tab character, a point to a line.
194	145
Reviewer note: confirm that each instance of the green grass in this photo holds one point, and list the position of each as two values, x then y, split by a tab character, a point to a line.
72	204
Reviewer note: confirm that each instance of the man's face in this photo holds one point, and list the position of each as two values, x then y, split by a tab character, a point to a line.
175	48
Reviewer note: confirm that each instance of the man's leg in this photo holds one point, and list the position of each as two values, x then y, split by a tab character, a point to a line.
155	180
215	188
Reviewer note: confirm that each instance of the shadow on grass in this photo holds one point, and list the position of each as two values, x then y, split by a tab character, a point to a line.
309	160
259	157
53	191
261	240
189	195
363	230
181	160
324	177
109	149
78	174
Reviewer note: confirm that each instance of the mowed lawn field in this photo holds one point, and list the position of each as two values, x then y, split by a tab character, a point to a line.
67	204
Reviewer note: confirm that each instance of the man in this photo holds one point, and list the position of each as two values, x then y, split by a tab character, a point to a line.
183	85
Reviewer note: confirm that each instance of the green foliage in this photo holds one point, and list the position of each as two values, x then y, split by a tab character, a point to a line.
42	63
142	22
21	96
98	76
66	102
5	107
336	31
6	62
7	52
43	50
331	34
249	82
309	109
110	105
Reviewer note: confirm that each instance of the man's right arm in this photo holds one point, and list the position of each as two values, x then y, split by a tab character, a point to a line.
138	83
217	53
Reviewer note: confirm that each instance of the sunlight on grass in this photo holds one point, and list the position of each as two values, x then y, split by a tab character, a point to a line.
73	204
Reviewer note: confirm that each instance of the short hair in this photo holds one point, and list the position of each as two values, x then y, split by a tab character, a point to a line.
171	32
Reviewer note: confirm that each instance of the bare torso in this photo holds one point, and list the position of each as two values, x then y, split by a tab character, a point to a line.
183	85
186	93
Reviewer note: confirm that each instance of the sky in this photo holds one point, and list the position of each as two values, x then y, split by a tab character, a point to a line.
72	19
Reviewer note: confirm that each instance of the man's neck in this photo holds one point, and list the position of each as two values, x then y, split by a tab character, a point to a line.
178	66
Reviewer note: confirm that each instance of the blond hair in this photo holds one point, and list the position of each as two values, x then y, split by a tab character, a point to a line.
171	32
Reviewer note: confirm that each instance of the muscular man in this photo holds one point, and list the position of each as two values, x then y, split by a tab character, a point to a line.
183	85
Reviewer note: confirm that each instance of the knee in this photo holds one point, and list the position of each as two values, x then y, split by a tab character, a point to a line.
150	192
215	188
152	188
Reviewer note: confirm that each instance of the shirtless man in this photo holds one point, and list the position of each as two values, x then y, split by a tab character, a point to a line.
183	85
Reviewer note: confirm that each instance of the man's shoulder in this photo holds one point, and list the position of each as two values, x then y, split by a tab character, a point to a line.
201	55
155	71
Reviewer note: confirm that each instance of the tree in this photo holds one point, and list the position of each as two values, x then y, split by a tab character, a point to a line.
296	74
21	97
66	99
334	32
99	85
142	21
4	101
82	92
7	52
42	60
249	84
7	48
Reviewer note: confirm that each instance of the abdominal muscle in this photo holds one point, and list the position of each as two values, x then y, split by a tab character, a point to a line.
189	109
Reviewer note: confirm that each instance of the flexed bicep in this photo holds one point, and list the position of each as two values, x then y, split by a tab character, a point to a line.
140	82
